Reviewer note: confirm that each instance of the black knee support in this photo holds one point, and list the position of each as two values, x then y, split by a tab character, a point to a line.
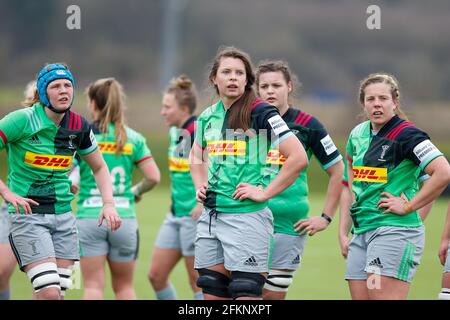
246	284
213	283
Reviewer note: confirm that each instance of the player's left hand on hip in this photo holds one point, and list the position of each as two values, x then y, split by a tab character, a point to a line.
393	204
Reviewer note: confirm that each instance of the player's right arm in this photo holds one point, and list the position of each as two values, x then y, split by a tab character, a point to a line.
199	170
198	162
12	128
16	200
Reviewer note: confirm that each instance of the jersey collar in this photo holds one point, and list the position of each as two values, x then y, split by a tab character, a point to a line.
395	120
188	122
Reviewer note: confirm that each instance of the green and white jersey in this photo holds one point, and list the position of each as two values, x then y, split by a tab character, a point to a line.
235	156
292	204
40	153
121	166
390	160
182	187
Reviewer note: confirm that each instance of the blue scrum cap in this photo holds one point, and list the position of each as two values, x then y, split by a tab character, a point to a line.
48	74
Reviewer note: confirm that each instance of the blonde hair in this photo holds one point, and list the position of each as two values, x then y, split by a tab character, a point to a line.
109	99
184	92
391	81
31	94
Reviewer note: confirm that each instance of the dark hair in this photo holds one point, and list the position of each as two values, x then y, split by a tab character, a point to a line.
184	92
109	99
239	117
391	81
277	66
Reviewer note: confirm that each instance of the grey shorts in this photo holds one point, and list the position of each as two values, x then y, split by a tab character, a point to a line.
5	224
287	251
40	236
178	233
447	261
121	245
241	241
387	251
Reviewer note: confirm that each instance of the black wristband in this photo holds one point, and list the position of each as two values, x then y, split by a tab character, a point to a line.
326	217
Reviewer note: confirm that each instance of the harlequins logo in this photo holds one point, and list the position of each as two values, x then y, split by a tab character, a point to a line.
32	243
383	153
71	138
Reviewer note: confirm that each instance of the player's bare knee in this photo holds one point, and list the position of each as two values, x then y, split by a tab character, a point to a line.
246	284
50	293
156	278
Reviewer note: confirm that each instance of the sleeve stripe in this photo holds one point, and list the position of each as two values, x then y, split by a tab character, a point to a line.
87	151
2	135
398	129
282	138
143	159
77	122
332	162
297	120
256	102
348	157
306	120
70	120
304	114
74	121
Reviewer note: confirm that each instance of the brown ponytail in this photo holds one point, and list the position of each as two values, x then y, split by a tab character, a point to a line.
109	98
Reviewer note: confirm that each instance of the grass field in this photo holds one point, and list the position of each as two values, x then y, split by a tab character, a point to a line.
320	276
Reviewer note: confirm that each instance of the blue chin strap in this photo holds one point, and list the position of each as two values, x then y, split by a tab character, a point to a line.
48	74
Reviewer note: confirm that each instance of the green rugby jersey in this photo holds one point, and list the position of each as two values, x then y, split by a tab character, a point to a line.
236	157
121	166
292	204
182	186
40	153
390	161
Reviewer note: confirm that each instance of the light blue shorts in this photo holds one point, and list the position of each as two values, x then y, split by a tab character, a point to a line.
121	245
241	241
5	224
37	236
287	251
388	251
447	261
178	233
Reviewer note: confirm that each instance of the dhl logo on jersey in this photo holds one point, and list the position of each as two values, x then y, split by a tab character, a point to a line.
48	161
274	157
227	147
110	147
178	164
370	174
